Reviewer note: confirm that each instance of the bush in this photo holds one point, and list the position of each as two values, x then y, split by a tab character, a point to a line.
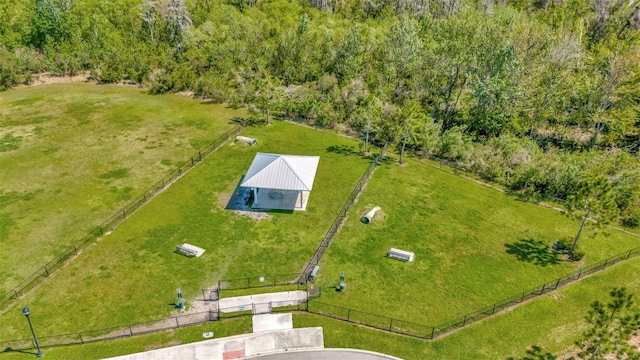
562	246
576	255
631	222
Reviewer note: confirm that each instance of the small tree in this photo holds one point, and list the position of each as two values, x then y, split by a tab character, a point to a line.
411	118
267	95
611	327
593	199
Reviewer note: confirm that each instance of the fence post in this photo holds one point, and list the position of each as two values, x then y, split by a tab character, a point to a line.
179	171
605	264
203	296
390	323
192	162
100	227
433	331
543	286
494	309
81	340
629	254
348	314
75	249
145	197
130	331
579	273
464	321
248	282
16	293
124	214
522	299
558	283
199	156
177	324
46	270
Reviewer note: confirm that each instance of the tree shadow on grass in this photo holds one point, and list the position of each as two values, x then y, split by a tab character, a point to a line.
247	122
349	151
342	149
533	251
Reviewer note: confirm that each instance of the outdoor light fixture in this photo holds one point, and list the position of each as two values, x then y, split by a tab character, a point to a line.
25	311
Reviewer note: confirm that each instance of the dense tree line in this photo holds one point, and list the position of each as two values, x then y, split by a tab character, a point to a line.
538	95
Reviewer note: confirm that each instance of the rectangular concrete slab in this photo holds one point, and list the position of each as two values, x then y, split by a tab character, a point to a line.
266	322
251	344
262	301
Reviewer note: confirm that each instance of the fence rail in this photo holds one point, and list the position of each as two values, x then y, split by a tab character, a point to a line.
431	332
326	241
169	323
68	254
381	322
258	281
314	306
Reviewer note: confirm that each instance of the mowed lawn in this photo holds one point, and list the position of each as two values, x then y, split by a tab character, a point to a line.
72	155
131	275
473	246
553	321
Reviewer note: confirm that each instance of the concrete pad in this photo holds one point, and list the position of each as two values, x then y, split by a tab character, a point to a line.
267	322
303	338
261	343
281	200
244	303
228	348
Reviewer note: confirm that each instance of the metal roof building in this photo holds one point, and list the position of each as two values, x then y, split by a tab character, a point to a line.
281	181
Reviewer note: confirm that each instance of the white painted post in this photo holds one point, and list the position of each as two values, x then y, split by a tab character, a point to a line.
255	196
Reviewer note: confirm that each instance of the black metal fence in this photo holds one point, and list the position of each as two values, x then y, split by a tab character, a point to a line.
381	322
258	282
431	332
372	320
68	254
315	260
148	327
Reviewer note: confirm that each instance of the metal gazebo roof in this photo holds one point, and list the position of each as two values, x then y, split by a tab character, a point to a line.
282	172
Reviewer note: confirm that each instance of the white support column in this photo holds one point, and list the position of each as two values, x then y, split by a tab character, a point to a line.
300	195
255	196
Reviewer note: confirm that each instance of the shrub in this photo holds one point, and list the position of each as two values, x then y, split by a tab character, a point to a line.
631	222
576	255
562	246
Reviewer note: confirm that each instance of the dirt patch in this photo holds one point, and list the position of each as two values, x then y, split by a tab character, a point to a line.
48	78
255	215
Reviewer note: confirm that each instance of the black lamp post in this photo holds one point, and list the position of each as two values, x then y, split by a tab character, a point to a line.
25	311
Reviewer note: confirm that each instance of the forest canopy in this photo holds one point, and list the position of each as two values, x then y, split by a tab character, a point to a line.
537	95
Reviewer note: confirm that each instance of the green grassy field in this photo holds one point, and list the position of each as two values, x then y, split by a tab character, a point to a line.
473	245
131	275
553	321
72	155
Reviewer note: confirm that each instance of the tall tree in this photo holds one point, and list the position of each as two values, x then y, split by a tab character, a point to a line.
594	199
403	52
411	119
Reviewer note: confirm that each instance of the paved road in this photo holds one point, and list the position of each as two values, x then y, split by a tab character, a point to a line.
326	354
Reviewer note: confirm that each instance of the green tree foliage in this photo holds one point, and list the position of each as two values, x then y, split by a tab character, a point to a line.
517	91
594	199
611	327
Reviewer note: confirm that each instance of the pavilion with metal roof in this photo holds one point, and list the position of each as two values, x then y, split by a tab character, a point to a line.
281	182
